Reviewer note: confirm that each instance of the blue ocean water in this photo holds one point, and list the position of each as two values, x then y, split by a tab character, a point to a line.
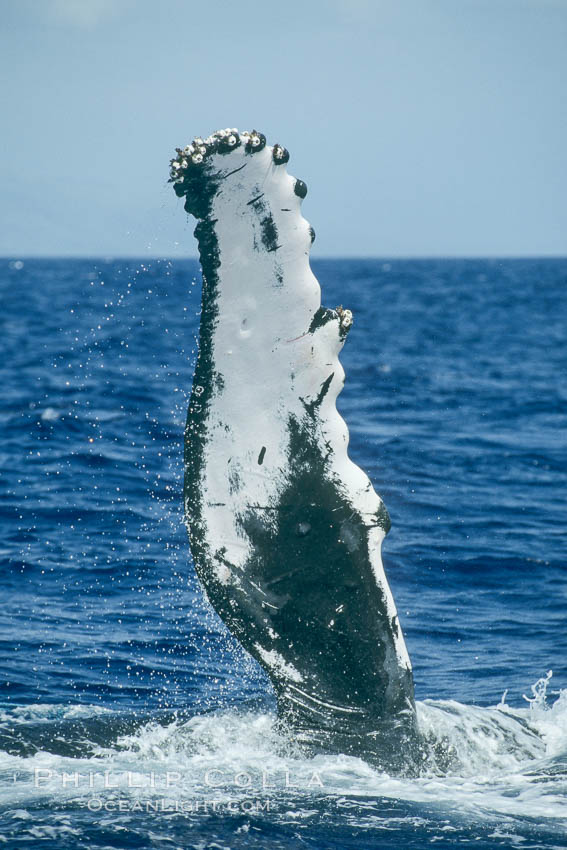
128	716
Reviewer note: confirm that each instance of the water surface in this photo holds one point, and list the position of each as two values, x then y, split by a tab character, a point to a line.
114	667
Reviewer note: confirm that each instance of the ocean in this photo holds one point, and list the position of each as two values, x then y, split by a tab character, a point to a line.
129	717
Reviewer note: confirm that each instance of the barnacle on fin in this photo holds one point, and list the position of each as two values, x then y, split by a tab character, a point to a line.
345	319
280	155
197	152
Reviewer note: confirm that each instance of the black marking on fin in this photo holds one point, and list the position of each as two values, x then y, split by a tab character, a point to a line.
253	201
269	233
321	317
310	406
262	455
325	388
230	173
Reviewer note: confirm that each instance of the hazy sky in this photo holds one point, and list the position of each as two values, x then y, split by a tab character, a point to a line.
421	127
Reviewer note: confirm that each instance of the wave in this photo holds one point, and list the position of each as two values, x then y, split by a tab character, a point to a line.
485	763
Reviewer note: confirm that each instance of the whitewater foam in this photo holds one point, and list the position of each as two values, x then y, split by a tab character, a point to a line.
494	762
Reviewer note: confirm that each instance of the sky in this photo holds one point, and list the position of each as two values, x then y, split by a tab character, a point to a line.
421	127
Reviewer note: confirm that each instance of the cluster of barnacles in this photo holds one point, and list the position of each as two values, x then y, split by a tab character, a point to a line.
280	154
220	142
345	318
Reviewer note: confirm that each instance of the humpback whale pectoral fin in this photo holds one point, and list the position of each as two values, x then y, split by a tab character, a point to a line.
284	528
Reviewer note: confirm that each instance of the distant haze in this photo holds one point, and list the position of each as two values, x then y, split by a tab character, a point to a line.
421	127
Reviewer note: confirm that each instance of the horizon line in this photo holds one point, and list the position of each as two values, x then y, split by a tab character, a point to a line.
338	257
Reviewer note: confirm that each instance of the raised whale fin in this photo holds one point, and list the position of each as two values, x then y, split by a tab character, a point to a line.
285	530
